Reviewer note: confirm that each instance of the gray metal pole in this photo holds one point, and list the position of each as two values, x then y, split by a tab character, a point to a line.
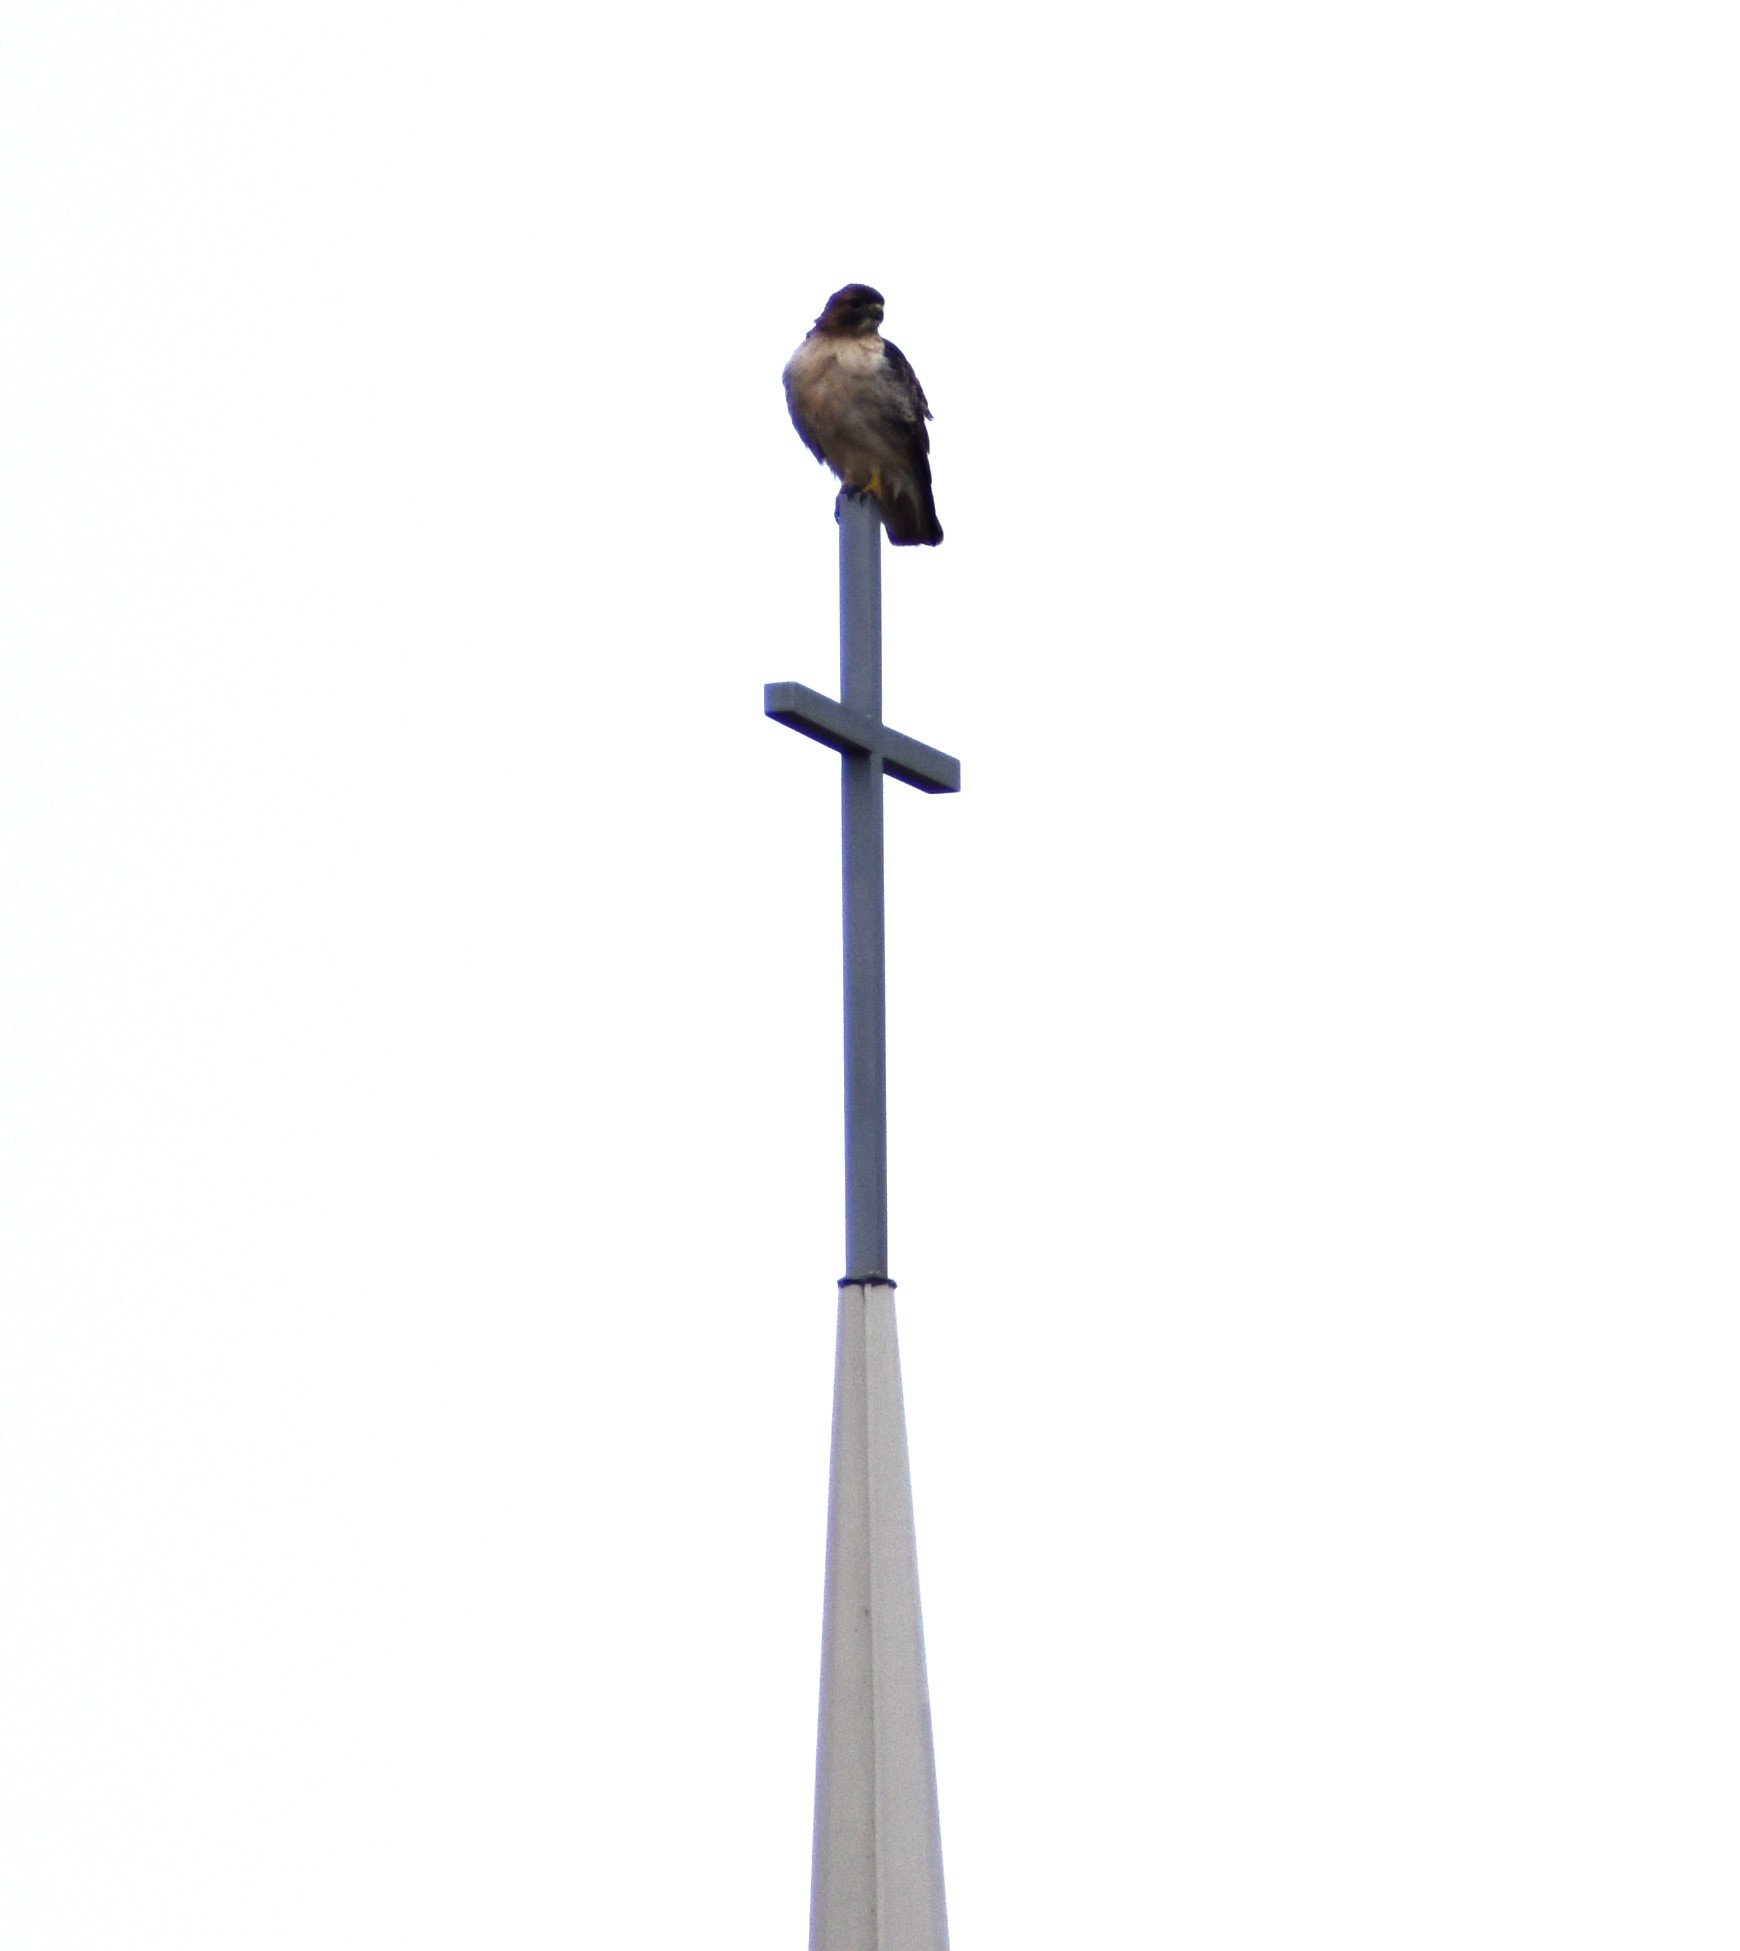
877	1880
869	750
862	905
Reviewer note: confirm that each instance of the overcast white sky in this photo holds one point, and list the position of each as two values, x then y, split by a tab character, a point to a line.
1315	1069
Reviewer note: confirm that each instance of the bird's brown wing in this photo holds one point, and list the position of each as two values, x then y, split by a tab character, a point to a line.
904	397
908	379
901	410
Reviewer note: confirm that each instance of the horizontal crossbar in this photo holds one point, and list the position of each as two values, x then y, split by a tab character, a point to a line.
831	723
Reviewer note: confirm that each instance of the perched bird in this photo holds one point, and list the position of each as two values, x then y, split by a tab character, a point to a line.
858	405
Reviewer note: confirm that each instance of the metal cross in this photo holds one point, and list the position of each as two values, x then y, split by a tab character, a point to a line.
868	748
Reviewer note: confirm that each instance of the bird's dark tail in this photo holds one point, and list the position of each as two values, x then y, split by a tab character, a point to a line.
909	514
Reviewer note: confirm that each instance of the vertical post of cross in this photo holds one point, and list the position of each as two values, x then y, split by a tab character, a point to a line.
869	752
862	898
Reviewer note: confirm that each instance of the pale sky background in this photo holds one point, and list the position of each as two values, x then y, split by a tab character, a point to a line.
1316	1083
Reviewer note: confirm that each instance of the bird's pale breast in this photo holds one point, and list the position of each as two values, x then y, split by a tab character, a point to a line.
835	384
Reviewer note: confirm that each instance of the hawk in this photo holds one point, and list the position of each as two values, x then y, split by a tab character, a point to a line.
858	405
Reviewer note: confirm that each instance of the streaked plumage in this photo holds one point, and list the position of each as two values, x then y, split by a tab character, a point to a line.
858	406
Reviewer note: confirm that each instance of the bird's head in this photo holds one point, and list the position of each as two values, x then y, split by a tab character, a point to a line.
853	308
